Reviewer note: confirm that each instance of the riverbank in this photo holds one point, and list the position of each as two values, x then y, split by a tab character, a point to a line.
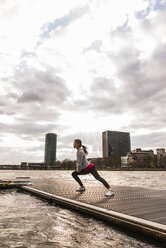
100	169
133	169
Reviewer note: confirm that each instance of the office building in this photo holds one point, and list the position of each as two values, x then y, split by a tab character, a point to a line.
50	149
116	142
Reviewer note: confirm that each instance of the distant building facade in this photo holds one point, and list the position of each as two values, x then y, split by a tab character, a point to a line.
50	149
140	151
116	142
32	165
142	158
161	157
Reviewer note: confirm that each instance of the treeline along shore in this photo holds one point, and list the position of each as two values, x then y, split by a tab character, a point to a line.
109	163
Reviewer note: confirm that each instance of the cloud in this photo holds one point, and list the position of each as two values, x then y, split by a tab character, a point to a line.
151	141
63	22
99	66
39	95
40	86
24	140
141	89
30	97
30	110
12	155
24	128
93	142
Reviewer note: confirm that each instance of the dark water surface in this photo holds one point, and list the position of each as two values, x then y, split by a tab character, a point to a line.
26	221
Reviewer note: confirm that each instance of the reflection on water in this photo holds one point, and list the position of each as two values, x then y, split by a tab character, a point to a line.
29	222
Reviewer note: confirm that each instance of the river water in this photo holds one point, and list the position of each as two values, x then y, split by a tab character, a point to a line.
28	222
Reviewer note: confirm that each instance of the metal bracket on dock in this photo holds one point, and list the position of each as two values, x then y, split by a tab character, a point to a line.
13	183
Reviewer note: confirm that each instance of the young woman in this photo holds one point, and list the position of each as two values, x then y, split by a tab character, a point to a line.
83	166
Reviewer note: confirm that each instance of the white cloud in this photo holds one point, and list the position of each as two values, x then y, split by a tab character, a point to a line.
79	68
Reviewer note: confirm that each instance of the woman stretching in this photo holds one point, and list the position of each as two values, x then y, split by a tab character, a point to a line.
83	166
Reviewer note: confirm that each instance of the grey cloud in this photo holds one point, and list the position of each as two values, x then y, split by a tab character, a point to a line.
6	106
16	155
28	129
38	95
154	25
159	54
36	100
12	95
30	97
33	112
152	119
24	127
127	61
64	147
151	140
41	86
103	85
93	142
2	103
142	90
102	98
3	112
137	75
64	21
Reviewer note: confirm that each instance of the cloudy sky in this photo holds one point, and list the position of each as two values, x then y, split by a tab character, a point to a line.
77	68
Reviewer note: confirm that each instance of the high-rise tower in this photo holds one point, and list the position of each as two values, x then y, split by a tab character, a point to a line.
117	142
50	149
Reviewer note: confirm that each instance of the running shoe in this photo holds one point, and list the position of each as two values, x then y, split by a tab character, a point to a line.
81	189
110	193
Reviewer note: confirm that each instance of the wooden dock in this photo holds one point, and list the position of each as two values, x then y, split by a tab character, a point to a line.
139	209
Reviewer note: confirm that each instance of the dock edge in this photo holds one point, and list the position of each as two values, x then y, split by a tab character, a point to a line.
149	228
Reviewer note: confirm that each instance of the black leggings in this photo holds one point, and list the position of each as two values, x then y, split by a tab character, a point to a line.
94	172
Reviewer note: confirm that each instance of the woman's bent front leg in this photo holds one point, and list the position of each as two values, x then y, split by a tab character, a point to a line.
75	176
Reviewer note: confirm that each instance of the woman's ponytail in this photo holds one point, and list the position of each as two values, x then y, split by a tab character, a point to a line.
85	149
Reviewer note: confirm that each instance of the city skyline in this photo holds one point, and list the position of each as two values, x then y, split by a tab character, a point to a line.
78	68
